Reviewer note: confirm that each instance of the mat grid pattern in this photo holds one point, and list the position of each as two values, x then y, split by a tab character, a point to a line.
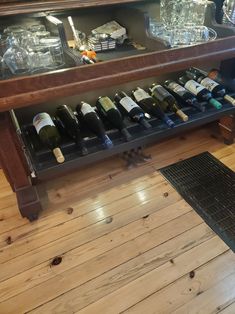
209	187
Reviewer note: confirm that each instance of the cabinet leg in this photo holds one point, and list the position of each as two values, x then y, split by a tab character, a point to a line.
28	202
227	129
15	167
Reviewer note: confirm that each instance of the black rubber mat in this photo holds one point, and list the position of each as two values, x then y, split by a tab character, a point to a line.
209	187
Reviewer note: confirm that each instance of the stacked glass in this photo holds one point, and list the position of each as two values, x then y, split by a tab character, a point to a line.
25	51
182	23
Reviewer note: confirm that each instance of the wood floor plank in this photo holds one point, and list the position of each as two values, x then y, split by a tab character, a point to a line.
87	206
8	201
141	264
158	278
75	239
127	243
229	309
185	289
126	255
61	216
170	218
60	231
213	300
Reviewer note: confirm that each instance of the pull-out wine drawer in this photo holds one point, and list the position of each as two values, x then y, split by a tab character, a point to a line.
44	163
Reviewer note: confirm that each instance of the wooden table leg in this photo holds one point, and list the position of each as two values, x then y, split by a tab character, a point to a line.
16	170
227	129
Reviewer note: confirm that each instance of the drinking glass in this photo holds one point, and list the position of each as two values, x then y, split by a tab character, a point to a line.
29	40
14	29
37	28
56	50
42	34
156	28
229	12
170	11
16	58
178	12
40	59
3	45
204	34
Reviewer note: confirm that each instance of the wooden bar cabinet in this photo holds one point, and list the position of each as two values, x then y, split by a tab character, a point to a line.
23	96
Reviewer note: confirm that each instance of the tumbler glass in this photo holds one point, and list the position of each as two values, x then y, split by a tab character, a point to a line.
180	12
29	40
56	50
37	28
16	58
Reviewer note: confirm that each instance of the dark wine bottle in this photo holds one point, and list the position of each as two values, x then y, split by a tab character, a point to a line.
183	94
94	123
131	109
107	108
167	101
71	125
199	91
215	75
151	106
216	89
48	134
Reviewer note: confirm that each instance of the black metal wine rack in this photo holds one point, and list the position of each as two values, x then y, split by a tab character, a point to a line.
45	165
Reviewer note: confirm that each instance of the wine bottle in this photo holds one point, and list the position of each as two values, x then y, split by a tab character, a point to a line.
183	94
216	89
131	109
71	125
215	75
107	108
94	123
199	91
48	134
151	106
167	101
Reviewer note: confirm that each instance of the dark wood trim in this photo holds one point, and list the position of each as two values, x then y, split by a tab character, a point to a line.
227	129
23	7
30	90
16	170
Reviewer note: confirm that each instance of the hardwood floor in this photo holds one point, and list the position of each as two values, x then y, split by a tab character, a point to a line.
113	240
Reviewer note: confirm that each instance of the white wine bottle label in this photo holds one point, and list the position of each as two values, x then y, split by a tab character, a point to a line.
194	87
209	84
41	120
140	94
86	108
160	92
178	89
128	103
106	103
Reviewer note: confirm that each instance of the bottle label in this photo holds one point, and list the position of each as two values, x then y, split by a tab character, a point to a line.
194	87
209	84
86	108
106	103
178	89
161	92
128	103
141	94
41	120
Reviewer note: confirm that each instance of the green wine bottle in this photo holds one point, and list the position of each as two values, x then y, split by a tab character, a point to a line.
48	134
